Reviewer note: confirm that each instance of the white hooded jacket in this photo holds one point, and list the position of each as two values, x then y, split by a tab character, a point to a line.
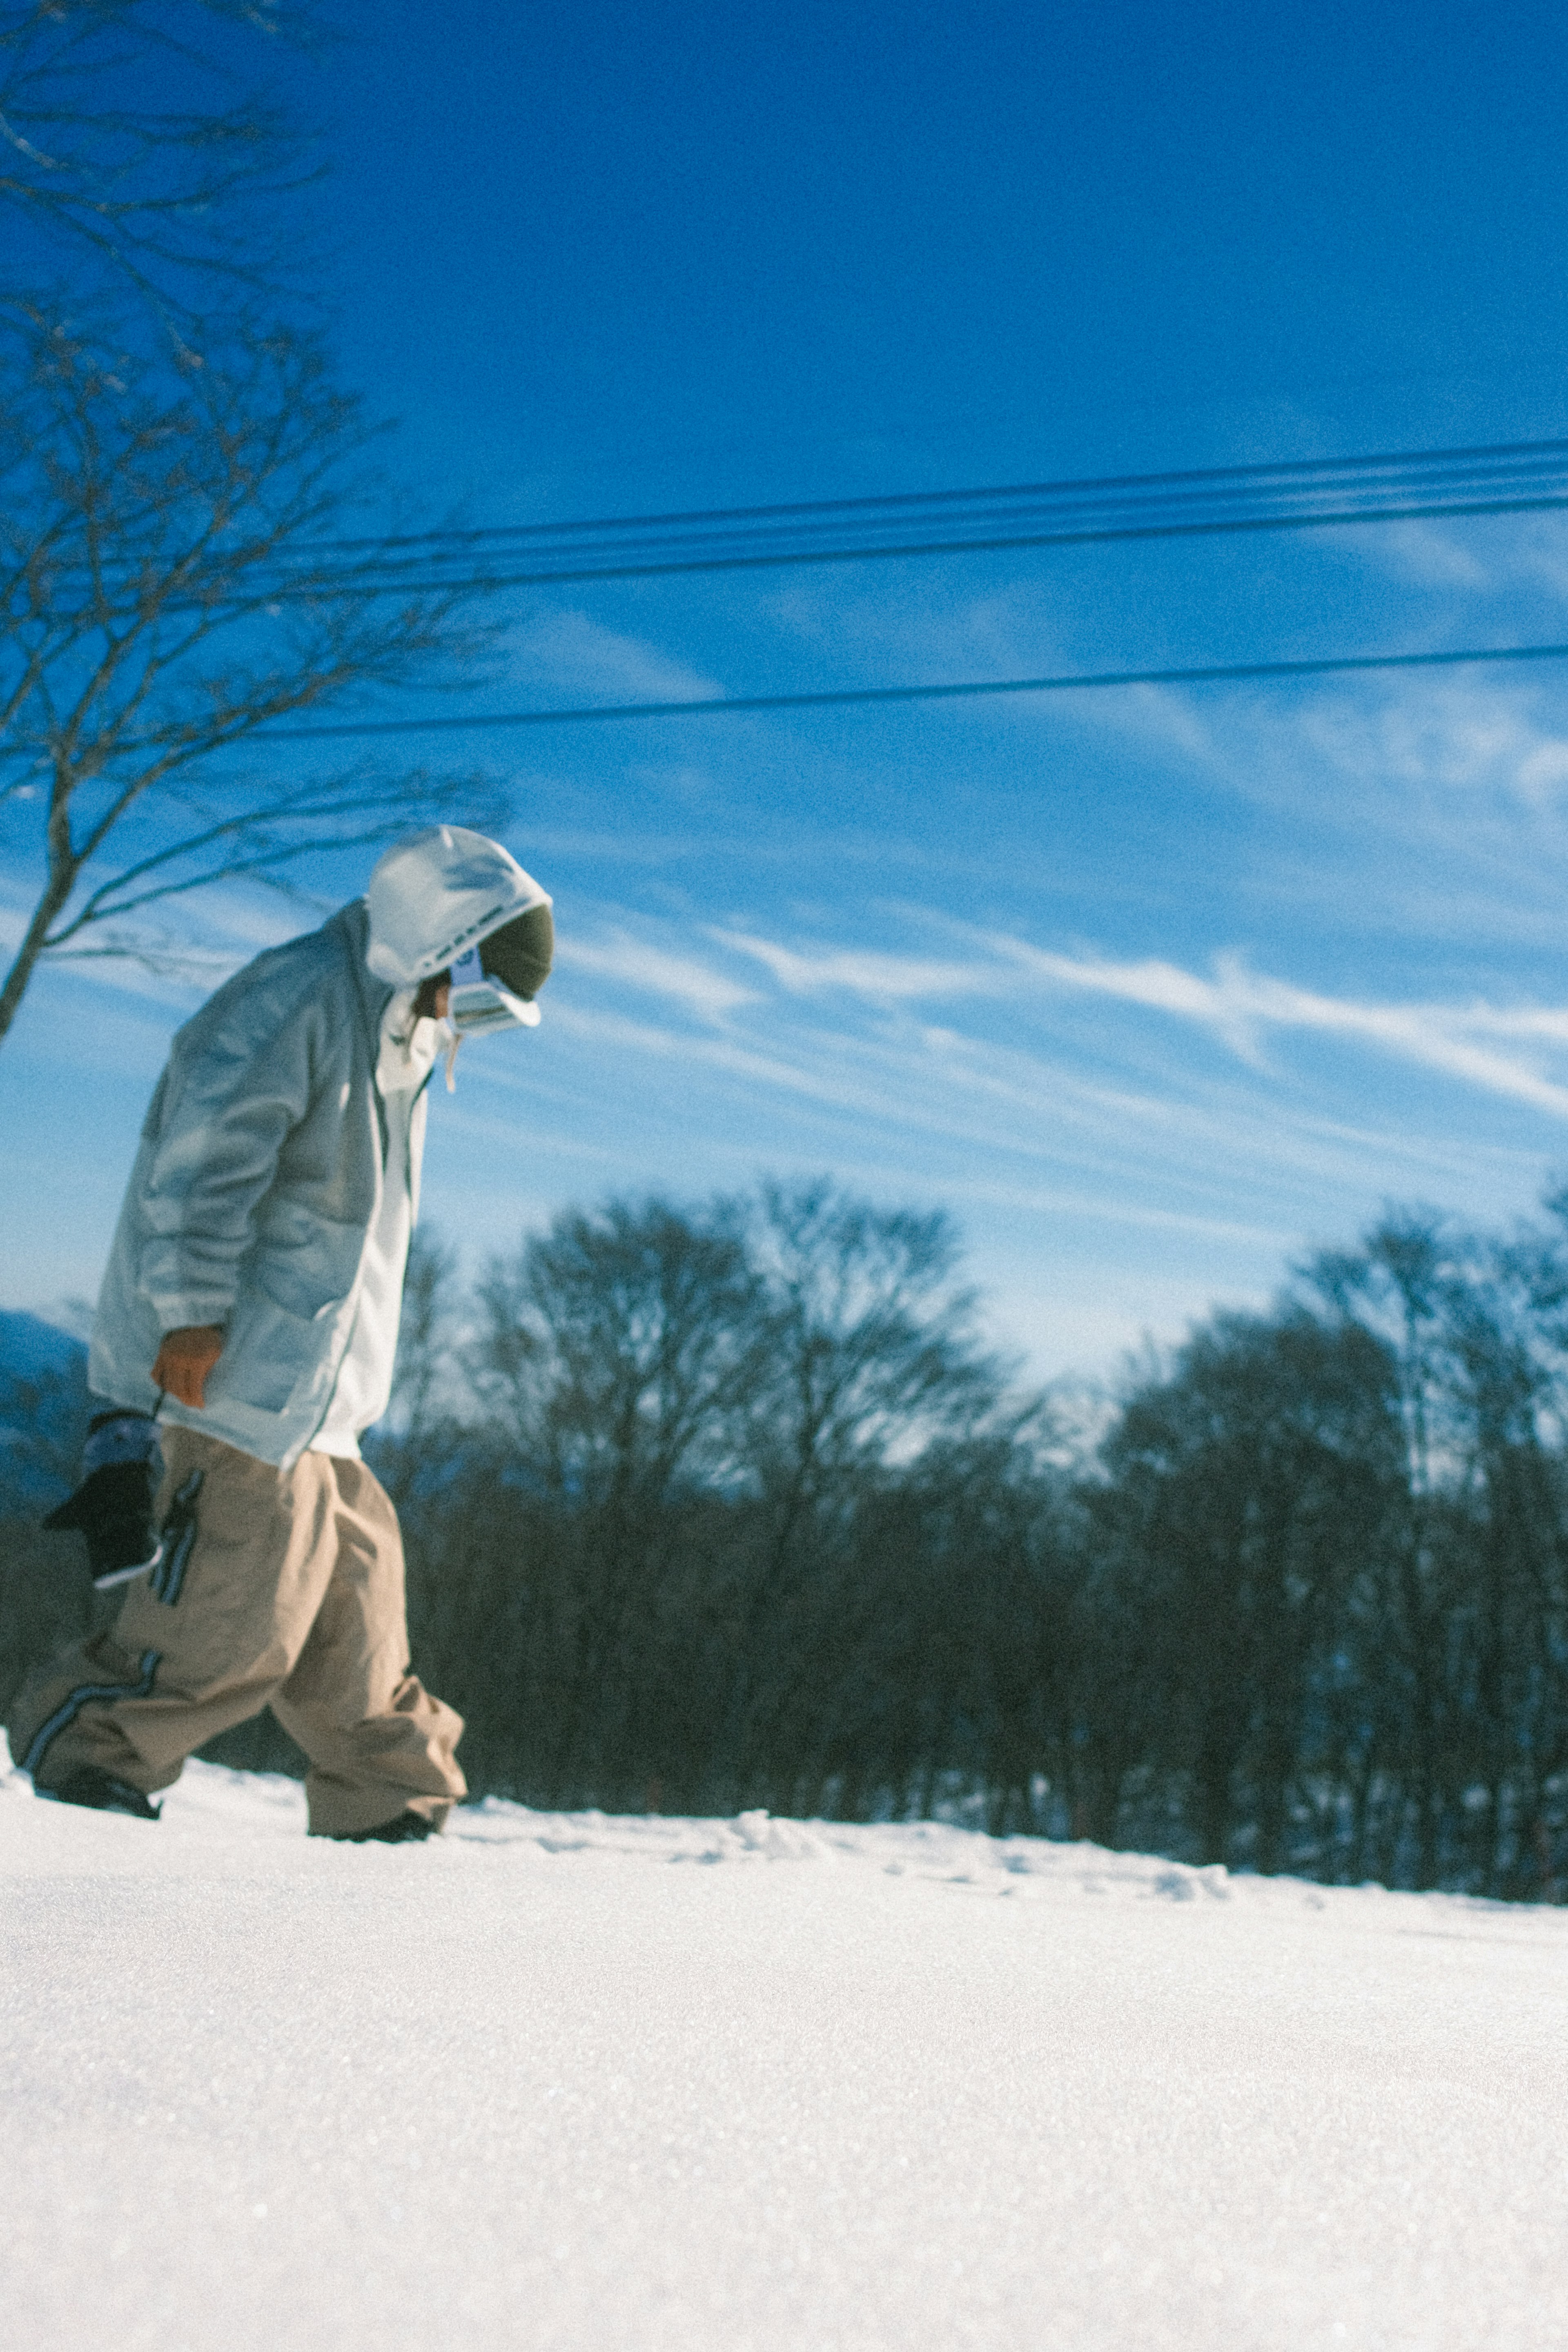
262	1161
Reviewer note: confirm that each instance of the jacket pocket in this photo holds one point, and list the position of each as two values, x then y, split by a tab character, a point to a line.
304	1263
271	1354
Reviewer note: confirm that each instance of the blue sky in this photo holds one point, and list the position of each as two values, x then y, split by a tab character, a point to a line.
1154	989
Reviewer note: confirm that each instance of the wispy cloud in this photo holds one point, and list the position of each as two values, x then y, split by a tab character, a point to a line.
1426	554
882	978
1191	1133
1478	557
1242	1007
656	971
579	656
1473	731
1472	735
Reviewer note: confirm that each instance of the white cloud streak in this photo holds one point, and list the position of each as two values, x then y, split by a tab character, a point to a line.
1096	1138
882	979
579	656
1517	1053
656	971
1240	1005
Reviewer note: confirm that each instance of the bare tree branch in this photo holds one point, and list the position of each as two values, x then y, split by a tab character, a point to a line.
113	188
139	647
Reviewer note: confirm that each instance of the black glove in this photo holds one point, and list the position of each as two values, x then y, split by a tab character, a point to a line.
113	1505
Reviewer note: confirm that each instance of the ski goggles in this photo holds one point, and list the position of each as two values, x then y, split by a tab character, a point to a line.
478	1003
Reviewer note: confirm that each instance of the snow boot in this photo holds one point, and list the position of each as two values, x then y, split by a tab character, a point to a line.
90	1785
406	1830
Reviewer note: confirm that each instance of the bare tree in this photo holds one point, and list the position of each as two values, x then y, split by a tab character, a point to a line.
111	187
172	457
1249	1485
1401	1284
626	1350
1222	1642
875	1355
165	595
413	1445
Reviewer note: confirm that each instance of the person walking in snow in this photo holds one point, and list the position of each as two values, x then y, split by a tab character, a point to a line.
251	1305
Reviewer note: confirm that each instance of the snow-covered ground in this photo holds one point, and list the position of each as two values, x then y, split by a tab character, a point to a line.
619	2085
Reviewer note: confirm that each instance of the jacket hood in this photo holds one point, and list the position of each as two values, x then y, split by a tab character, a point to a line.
436	894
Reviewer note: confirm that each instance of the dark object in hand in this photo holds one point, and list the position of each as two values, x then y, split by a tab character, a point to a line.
113	1505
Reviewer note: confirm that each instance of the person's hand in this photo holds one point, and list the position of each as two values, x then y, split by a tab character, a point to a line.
185	1359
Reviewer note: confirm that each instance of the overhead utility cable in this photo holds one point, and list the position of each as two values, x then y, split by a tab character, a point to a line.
721	706
1517	478
1295	476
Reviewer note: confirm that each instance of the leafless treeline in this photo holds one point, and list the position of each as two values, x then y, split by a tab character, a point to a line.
742	1511
731	1505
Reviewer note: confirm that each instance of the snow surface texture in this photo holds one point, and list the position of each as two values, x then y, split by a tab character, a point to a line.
550	2081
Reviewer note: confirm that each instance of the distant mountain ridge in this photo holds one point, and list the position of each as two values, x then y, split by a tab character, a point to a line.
43	1398
30	1345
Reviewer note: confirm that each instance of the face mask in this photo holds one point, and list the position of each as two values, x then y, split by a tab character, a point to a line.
478	1003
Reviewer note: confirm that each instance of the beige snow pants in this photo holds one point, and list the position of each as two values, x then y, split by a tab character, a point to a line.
290	1593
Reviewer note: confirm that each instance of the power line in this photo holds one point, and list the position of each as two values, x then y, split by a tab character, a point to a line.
1518	477
722	706
668	567
1283	471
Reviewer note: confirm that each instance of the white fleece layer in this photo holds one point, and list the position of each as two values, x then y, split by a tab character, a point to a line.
364	1388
